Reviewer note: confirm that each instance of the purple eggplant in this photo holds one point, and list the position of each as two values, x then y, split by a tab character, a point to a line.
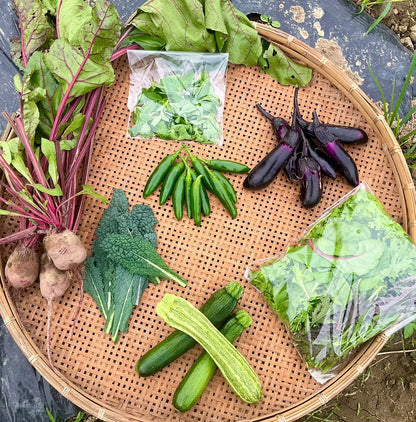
291	167
328	143
311	190
323	161
310	175
348	134
344	134
268	168
279	124
306	126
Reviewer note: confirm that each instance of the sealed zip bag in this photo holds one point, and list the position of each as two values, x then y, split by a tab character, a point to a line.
177	95
350	277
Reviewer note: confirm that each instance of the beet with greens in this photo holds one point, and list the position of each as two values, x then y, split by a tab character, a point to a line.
65	64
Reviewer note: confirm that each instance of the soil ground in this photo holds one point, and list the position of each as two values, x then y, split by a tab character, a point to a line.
386	392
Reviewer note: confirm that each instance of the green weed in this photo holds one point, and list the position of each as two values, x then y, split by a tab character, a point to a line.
315	416
368	4
78	418
391	110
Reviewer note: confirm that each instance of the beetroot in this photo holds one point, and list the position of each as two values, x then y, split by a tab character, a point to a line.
22	267
65	249
53	284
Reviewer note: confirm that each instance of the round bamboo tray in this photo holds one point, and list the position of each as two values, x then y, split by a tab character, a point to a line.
99	376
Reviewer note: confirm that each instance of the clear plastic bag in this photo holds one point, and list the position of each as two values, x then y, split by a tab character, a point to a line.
177	95
350	277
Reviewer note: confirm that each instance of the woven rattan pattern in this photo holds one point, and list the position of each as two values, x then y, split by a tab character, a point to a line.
207	257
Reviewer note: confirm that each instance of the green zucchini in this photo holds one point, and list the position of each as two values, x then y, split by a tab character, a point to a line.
182	315
218	307
197	378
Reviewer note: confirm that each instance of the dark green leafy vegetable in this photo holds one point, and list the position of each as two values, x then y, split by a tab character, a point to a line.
178	108
141	258
214	26
116	284
349	278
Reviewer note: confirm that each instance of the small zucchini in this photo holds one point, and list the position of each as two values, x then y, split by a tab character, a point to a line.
218	307
182	315
197	378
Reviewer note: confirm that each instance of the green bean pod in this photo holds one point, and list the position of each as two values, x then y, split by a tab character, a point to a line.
227	166
205	205
169	181
196	200
227	184
159	173
222	194
188	193
178	196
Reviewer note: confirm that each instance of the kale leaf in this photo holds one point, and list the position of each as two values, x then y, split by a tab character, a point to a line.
123	262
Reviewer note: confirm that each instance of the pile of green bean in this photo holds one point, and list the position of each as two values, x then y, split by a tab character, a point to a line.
189	184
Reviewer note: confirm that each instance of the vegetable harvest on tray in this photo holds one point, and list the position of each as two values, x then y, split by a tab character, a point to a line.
347	279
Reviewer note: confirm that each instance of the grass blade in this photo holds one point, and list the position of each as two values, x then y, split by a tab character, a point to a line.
404	138
404	88
383	98
408	116
383	14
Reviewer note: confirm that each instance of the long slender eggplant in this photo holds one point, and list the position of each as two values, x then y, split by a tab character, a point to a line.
344	134
279	124
291	166
311	190
323	161
268	168
348	134
310	175
328	143
304	124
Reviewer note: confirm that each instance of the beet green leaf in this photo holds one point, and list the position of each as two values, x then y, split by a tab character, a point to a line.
36	30
213	26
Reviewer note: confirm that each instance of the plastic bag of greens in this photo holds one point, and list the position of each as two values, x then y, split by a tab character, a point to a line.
350	277
177	95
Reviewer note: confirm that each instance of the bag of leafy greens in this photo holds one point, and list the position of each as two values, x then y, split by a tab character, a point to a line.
177	95
350	277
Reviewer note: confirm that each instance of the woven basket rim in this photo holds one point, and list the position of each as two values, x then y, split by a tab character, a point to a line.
301	52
